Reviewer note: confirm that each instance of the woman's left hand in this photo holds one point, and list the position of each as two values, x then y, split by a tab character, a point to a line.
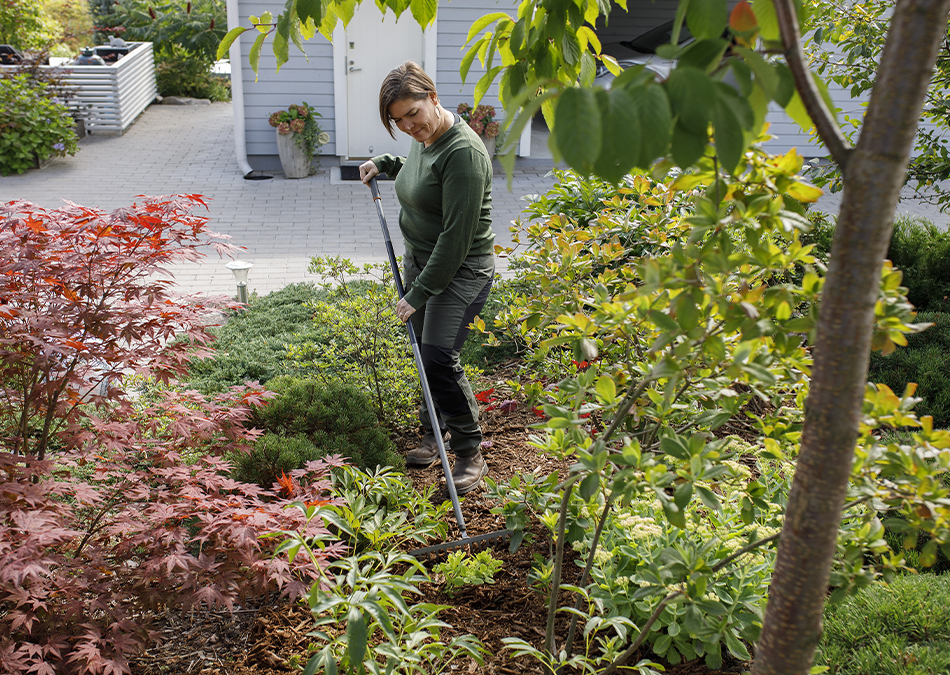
404	310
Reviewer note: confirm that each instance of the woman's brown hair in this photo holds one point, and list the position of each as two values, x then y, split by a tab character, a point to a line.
408	81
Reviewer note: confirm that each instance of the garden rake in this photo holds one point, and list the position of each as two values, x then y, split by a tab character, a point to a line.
430	404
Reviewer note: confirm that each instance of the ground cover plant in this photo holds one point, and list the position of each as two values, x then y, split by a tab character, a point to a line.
899	629
252	344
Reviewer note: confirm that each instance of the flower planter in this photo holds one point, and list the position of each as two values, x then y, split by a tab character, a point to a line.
489	144
295	162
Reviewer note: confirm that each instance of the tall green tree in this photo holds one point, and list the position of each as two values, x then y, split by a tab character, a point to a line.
545	57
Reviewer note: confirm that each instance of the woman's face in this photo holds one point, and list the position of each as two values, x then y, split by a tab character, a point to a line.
420	119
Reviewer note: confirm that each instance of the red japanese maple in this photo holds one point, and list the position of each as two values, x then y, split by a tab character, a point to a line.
108	509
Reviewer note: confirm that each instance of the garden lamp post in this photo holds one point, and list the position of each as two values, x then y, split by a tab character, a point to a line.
240	269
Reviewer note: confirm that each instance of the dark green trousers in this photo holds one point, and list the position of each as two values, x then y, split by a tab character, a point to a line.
441	327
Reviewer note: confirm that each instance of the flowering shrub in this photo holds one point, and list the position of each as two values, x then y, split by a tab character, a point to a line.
34	125
301	120
481	119
111	508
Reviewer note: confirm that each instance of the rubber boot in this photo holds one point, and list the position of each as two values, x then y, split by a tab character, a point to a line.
427	453
468	472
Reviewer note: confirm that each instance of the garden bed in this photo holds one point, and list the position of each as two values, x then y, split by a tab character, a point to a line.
269	639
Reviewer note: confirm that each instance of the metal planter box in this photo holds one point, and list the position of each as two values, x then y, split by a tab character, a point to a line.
112	96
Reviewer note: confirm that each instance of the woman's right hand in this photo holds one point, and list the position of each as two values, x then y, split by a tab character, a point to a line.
368	169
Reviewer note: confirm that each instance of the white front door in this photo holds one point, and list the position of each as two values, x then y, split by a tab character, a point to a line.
374	46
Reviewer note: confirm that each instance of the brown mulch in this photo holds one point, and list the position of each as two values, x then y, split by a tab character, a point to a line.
268	639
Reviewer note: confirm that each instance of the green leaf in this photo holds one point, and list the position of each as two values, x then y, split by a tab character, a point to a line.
606	389
682	495
707	18
310	9
704	55
656	119
470	57
709	498
255	55
727	133
482	23
589	486
621	124
768	22
481	87
674	447
570	47
687	147
796	110
588	69
356	636
765	74
735	646
675	517
738	104
281	45
577	129
663	321
691	95
423	11
228	40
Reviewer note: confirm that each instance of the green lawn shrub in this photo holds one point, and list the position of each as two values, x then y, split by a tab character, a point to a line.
926	361
898	629
253	344
309	420
922	252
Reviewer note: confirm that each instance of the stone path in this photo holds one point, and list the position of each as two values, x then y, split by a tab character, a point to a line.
281	223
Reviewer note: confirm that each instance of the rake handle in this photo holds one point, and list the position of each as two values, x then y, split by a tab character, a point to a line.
426	392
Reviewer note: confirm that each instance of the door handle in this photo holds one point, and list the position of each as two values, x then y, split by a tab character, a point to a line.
353	70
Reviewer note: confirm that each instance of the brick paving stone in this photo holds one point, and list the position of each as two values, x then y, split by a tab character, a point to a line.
280	223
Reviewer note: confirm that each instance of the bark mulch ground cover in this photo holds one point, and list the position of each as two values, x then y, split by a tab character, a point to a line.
270	638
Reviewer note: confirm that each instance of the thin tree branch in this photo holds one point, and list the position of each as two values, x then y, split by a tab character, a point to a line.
824	121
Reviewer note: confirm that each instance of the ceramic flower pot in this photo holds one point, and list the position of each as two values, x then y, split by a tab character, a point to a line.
294	161
489	144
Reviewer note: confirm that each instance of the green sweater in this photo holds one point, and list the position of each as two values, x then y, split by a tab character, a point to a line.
445	194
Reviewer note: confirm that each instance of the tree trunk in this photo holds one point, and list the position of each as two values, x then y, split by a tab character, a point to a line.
872	182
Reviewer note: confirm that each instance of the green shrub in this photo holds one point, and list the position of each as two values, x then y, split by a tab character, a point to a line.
899	629
922	252
34	124
26	24
926	361
273	456
313	420
356	339
253	344
180	73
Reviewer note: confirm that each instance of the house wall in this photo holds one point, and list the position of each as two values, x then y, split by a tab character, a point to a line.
301	79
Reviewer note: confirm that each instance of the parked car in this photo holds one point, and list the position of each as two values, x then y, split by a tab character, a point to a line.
641	50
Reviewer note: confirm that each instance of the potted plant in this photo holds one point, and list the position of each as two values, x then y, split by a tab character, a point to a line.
482	121
299	137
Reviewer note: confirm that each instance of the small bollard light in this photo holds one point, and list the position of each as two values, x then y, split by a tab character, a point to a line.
240	269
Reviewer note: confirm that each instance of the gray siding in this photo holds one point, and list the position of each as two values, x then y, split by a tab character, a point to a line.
455	20
301	79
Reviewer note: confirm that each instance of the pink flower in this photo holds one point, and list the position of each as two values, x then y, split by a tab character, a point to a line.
274	119
463	108
298	125
492	129
477	126
283	128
